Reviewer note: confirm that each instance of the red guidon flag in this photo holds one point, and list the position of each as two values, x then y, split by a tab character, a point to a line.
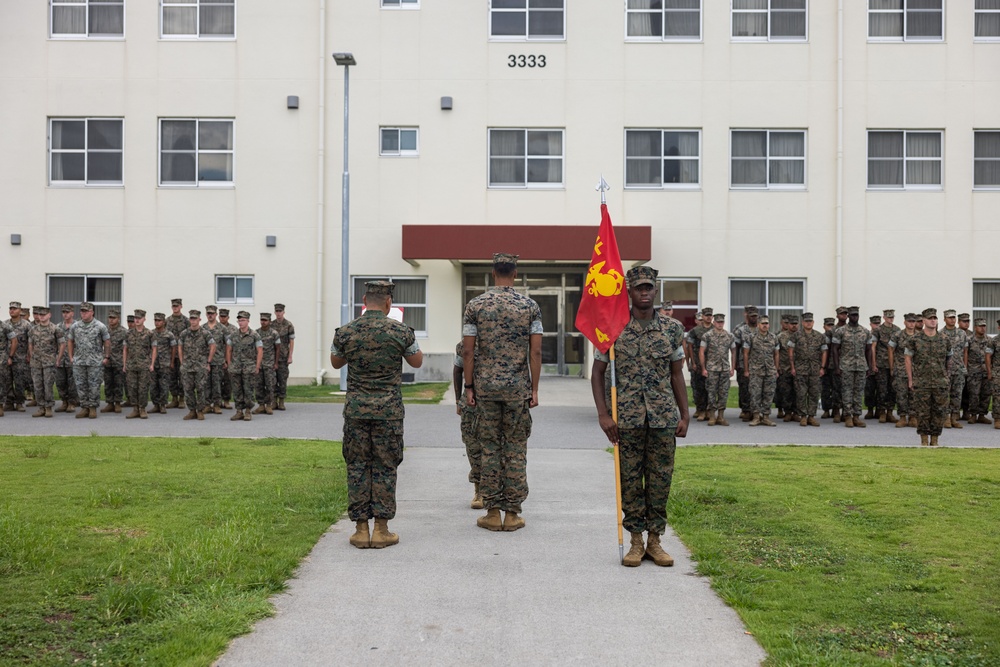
604	311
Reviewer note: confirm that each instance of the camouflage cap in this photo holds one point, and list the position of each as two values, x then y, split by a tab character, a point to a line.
37	308
243	315
829	320
384	287
764	319
211	309
910	317
707	312
265	317
949	313
159	316
194	313
719	317
86	305
139	312
889	313
747	308
41	310
668	305
875	319
793	319
15	304
68	308
641	275
114	312
505	258
130	319
842	310
930	312
279	307
176	302
223	312
980	322
807	317
852	310
964	317
786	318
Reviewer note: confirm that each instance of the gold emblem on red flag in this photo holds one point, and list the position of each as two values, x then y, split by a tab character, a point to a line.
604	284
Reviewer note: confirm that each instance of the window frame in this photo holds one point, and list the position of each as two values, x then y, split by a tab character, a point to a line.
663	185
526	185
976	159
400	4
661	283
904	37
198	152
904	186
663	24
357	285
399	130
736	309
984	38
87	34
527	22
767	185
196	36
85	151
56	306
981	311
768	12
236	300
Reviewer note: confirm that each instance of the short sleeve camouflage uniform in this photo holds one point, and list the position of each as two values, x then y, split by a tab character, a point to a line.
7	334
808	347
958	372
243	365
904	395
267	378
473	450
718	345
45	341
88	357
929	358
979	388
140	344
853	366
196	348
114	372
286	334
166	343
762	371
20	373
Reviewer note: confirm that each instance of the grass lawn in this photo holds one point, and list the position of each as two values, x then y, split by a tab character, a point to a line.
157	551
850	556
421	392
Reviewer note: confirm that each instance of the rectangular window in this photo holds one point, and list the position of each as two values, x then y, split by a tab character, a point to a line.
903	159
234	289
527	19
526	158
769	20
409	295
81	19
85	151
666	20
768	159
986	163
905	20
105	292
400	4
773	297
986	303
686	295
398	141
197	19
988	21
662	158
196	152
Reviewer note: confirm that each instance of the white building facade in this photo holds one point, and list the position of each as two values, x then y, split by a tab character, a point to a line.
797	155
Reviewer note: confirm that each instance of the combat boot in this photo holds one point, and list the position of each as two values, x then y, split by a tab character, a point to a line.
825	415
947	421
381	537
216	409
118	408
903	422
142	413
780	414
268	410
92	413
881	416
190	415
48	411
199	415
259	410
955	423
655	552
804	421
172	403
812	421
63	407
246	415
766	420
934	441
31	403
360	538
983	419
791	417
720	420
965	415
19	407
923	440
870	414
636	553
837	416
226	405
491	521
512	522
40	412
712	418
849	421
280	405
134	414
108	407
996	422
477	499
756	420
745	416
1	409
83	413
237	417
859	422
703	416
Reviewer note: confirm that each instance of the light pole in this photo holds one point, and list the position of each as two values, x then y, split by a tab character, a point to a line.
345	60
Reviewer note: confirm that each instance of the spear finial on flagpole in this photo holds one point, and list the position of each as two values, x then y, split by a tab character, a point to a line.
603	187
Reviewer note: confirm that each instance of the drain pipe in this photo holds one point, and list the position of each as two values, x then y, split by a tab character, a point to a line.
321	195
839	260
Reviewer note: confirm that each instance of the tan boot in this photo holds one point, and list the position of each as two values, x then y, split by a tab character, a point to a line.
491	521
48	411
118	408
92	413
247	416
63	407
83	413
712	418
280	405
635	554
765	420
881	416
268	410
965	415
755	421
361	539
812	421
259	410
655	552
172	403
780	414
226	405
983	419
745	416
190	415
133	415
477	499
947	421
996	422
849	421
923	440
868	415
108	407
825	415
859	422
720	420
955	423
237	417
703	416
142	413
19	407
913	422
934	441
837	416
381	537
804	421
199	415
1	410
902	422
790	417
512	522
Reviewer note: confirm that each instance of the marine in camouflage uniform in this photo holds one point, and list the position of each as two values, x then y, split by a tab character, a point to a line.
836	381
958	369
886	394
851	347
473	450
652	414
166	351
19	372
244	356
8	338
993	368
373	348
114	370
267	378
46	342
978	380
502	356
196	349
141	351
213	383
177	324
718	347
785	386
286	332
871	381
897	360
89	348
64	370
741	334
699	389
927	354
807	353
760	358
227	378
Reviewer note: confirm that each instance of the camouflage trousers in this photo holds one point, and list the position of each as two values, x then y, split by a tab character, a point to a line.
717	387
20	380
227	386
930	405
832	389
502	429
88	385
176	381
762	391
43	379
979	393
699	390
886	391
5	381
996	394
213	388
159	381
243	383
904	395
137	382
852	391
871	392
784	394
807	391
114	383
956	387
66	384
281	380
743	382
373	449
473	449
194	380
265	385
647	469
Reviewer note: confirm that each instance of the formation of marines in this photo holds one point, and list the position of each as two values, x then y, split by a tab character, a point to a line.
179	363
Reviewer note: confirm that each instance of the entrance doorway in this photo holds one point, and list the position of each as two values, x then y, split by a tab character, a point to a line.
556	290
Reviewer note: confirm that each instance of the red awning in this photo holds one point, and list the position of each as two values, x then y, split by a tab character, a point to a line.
533	243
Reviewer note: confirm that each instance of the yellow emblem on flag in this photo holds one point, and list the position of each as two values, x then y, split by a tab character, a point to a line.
604	284
601	336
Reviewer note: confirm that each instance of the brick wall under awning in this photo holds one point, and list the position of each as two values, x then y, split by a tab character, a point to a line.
531	242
